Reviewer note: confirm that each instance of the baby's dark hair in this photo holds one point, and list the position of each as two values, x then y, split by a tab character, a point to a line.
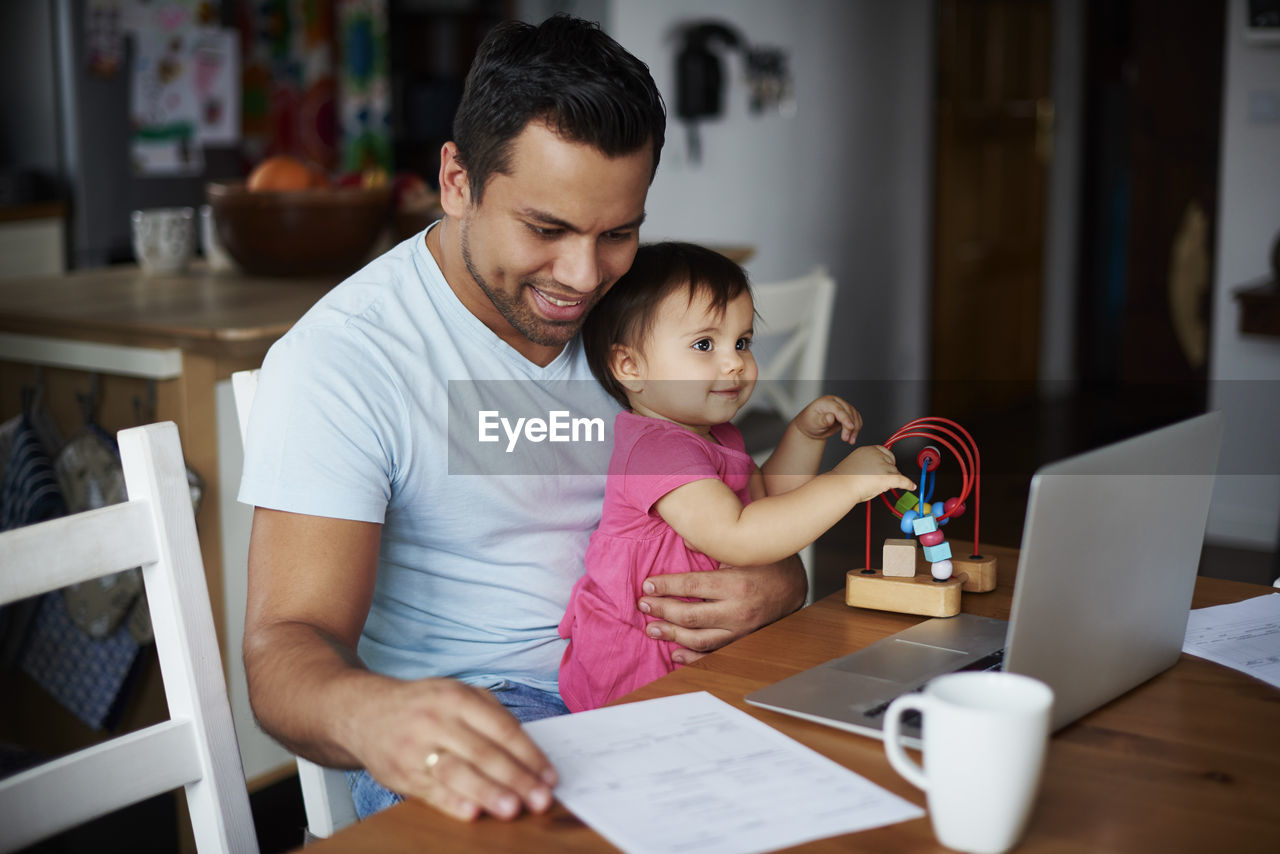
625	314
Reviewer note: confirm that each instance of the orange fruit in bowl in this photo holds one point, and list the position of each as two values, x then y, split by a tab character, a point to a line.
285	172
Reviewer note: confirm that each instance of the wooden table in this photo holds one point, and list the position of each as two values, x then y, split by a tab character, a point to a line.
1189	761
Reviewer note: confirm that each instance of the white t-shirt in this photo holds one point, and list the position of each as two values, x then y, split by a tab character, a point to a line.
390	402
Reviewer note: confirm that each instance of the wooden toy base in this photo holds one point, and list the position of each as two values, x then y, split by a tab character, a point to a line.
979	573
919	594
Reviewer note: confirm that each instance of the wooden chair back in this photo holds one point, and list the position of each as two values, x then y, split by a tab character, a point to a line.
793	330
798	311
196	748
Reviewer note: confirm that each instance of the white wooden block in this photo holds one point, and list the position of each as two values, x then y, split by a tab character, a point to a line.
900	558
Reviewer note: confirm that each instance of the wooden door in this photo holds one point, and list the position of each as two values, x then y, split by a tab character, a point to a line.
1153	87
993	127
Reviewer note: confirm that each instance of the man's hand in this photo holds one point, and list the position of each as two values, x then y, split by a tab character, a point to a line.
310	583
455	747
735	601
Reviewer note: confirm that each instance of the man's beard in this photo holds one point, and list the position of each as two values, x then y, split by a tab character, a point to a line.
516	311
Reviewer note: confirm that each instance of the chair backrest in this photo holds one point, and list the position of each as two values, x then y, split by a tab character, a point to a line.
325	794
196	748
791	352
798	311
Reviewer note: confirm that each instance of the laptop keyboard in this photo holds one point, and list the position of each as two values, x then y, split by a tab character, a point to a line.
991	661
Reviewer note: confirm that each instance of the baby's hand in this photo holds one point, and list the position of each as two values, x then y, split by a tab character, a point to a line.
825	415
873	470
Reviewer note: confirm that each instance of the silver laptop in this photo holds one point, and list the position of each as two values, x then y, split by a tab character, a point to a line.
1110	550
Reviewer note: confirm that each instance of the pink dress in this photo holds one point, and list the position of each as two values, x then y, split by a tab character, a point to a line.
609	653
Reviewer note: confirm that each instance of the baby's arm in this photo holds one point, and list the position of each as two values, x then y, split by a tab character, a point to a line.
711	519
799	453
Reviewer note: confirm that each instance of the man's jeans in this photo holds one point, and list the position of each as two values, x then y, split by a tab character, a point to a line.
525	703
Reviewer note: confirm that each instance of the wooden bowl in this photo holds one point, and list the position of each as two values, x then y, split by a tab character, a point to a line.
315	232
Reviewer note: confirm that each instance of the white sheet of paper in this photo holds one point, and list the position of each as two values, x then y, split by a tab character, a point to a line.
691	773
1242	635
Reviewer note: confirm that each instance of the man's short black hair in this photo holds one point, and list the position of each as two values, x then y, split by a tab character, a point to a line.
625	314
565	72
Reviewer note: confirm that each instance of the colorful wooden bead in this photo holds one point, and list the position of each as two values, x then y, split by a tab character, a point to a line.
929	458
907	502
953	508
932	538
941	569
923	524
908	520
933	554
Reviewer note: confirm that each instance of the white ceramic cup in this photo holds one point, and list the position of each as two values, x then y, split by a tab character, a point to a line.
984	737
214	252
164	238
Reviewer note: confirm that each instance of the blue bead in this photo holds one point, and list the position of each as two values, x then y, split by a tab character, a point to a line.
908	519
933	554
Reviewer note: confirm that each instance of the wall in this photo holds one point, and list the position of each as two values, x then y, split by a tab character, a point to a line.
28	134
1244	369
844	182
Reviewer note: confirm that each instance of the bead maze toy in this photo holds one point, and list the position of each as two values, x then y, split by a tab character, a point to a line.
919	574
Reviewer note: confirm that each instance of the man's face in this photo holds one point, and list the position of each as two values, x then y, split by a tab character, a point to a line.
551	237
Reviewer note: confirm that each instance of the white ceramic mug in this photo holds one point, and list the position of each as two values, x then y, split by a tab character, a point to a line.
214	252
984	737
164	238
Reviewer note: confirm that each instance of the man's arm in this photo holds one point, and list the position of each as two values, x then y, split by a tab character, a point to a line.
736	601
311	582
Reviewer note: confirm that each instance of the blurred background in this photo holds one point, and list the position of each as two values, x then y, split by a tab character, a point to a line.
1053	221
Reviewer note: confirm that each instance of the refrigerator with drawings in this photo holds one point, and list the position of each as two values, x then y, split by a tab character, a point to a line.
112	107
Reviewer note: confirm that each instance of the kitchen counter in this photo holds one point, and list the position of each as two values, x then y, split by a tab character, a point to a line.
32	239
32	210
217	314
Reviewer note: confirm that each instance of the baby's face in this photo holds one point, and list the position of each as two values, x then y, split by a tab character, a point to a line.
697	365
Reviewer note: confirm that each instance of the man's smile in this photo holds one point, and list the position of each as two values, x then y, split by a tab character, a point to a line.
558	309
564	303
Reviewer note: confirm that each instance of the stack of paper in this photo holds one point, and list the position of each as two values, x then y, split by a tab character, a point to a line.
1243	635
691	773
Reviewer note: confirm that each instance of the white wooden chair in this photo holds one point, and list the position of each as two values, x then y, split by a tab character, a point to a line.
793	332
196	748
325	794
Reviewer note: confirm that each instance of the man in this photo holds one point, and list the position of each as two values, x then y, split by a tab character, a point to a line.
399	600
